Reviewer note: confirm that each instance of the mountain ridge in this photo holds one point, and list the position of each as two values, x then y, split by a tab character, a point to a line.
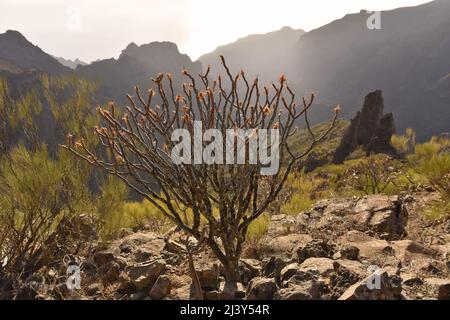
17	50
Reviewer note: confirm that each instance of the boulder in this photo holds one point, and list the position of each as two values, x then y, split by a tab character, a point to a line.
385	215
309	290
430	267
285	244
208	276
371	288
161	288
409	279
314	248
344	276
126	286
382	216
272	268
371	250
321	266
103	257
353	266
408	251
349	252
281	224
143	275
261	289
288	271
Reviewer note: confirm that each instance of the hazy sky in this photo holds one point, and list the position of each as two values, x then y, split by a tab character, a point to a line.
93	29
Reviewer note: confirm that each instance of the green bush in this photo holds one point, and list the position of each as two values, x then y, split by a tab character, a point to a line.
432	161
404	144
132	215
36	192
40	184
301	189
258	228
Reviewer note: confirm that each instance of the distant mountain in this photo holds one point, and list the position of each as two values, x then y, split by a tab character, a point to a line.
409	59
17	53
137	65
264	55
72	64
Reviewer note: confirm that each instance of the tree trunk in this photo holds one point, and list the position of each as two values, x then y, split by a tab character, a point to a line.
231	279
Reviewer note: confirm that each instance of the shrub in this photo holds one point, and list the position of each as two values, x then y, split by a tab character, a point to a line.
258	228
42	187
373	175
300	187
404	144
432	161
36	192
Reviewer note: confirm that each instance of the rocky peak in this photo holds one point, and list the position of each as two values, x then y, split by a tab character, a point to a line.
154	50
16	49
15	36
370	129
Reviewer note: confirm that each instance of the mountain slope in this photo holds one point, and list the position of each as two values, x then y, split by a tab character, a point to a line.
137	65
264	55
19	52
407	59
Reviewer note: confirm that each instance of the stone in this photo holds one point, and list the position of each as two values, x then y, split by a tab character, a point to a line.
371	250
430	267
385	215
314	248
208	277
408	250
112	274
300	277
381	141
321	266
310	290
352	266
103	257
410	280
345	275
284	245
144	254
364	291
125	284
144	275
280	225
349	252
288	271
161	288
261	289
273	267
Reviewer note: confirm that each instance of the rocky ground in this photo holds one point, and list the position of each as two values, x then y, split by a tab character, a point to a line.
330	252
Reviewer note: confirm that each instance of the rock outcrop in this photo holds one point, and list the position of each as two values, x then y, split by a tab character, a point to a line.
370	129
